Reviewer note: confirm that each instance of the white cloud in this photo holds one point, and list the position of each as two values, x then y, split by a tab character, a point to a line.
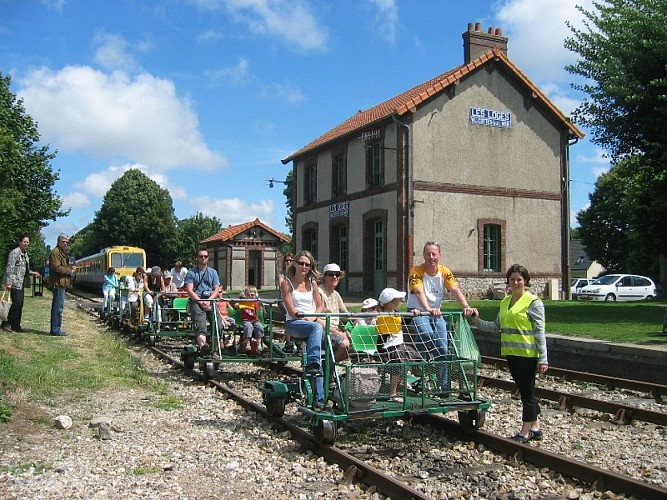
232	210
209	36
117	116
98	183
537	32
290	20
599	157
112	54
283	91
57	5
75	200
237	75
598	171
386	18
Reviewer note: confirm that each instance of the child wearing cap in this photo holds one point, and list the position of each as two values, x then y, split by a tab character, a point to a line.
253	330
391	346
369	305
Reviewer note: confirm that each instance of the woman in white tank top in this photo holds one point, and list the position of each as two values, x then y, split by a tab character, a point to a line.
300	295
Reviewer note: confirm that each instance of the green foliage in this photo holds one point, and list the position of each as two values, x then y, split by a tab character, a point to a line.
27	199
289	202
623	59
83	243
191	232
136	211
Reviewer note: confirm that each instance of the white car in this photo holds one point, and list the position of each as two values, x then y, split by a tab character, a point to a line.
618	287
577	284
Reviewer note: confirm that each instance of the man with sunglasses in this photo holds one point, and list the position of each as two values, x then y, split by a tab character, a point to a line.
202	283
333	303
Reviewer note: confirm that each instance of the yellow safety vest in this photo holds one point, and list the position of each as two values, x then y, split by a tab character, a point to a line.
517	337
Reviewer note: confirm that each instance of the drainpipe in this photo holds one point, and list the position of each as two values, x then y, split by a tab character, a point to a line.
408	199
566	222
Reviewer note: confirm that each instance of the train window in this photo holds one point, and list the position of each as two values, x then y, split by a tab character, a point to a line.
117	260
133	259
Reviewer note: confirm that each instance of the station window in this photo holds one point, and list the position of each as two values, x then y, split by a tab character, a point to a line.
310	185
492	247
310	240
339	176
375	164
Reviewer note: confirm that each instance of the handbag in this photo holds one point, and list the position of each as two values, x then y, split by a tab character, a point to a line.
5	304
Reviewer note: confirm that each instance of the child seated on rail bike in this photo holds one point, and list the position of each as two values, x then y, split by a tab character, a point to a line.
369	305
391	346
253	329
227	322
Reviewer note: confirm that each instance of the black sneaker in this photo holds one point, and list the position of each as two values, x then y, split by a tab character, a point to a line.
289	348
535	435
312	370
205	351
519	438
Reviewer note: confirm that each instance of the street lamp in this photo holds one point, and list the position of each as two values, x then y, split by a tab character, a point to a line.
271	182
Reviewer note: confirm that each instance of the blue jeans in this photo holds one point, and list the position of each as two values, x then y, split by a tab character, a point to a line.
57	306
312	331
429	335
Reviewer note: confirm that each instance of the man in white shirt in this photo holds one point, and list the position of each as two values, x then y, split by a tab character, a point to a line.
178	274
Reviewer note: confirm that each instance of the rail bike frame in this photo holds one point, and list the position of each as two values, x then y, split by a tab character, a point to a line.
360	386
223	351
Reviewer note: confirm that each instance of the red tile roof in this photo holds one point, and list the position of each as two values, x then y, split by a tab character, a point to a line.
233	231
410	99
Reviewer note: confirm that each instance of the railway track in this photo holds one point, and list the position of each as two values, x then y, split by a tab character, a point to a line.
601	479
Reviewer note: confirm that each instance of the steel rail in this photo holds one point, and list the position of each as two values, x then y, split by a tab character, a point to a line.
623	413
655	390
599	478
388	485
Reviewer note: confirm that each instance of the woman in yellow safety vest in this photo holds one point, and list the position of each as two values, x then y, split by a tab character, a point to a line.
523	343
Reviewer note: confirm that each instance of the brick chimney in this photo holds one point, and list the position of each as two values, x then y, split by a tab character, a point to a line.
476	42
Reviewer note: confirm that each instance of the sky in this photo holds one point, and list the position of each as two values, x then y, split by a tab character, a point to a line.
206	97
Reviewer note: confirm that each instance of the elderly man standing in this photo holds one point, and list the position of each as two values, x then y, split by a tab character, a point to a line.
60	274
17	277
202	282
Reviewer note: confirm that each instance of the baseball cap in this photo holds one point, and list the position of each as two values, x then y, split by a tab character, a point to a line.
368	303
389	294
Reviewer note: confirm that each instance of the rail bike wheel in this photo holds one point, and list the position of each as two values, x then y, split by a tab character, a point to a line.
275	406
325	431
472	420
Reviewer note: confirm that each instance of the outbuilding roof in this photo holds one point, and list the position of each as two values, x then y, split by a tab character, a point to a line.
409	100
231	232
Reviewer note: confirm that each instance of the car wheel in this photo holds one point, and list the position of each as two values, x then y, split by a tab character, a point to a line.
610	298
650	297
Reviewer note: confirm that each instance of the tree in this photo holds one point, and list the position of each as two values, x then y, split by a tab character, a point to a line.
27	199
623	59
191	231
136	211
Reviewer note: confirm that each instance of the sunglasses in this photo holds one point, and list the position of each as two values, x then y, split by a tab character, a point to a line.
202	256
302	263
289	260
335	275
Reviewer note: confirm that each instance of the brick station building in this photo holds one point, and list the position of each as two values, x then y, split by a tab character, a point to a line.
476	158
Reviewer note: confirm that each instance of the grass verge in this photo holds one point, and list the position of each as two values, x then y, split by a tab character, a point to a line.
39	370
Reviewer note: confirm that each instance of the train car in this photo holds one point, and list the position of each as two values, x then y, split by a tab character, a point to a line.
90	270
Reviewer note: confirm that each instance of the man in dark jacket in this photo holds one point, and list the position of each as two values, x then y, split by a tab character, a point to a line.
60	275
17	277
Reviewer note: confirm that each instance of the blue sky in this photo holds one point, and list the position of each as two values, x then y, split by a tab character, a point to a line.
207	96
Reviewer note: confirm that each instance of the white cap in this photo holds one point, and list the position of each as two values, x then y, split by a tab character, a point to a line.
331	268
368	303
166	274
389	294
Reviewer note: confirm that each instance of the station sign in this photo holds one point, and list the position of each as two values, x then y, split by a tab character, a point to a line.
341	209
491	118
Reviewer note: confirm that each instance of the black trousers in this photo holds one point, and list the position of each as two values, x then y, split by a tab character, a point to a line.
16	310
523	373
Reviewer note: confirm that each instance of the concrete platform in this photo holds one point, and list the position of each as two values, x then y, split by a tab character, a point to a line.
647	363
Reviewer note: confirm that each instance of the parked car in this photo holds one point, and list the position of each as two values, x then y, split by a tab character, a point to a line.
577	284
619	287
